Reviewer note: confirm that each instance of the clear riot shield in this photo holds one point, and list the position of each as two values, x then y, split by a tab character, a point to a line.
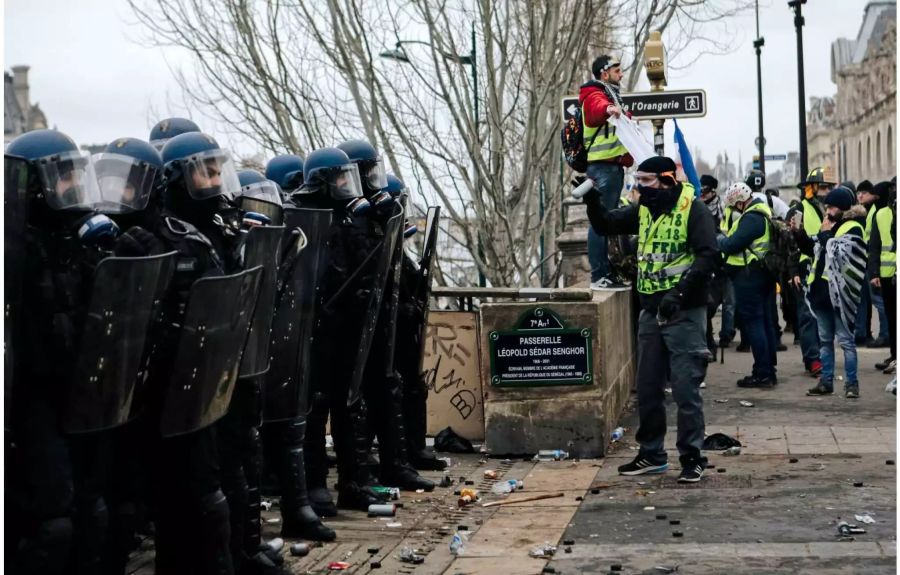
305	244
15	214
213	335
125	298
377	278
261	249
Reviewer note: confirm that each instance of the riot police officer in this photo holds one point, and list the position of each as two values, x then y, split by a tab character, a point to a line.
54	242
351	276
165	130
192	515
381	384
286	170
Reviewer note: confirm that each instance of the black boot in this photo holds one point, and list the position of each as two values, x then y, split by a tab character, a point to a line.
253	467
214	532
355	490
299	520
395	468
316	459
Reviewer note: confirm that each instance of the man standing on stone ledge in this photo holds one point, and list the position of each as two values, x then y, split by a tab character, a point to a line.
607	157
676	256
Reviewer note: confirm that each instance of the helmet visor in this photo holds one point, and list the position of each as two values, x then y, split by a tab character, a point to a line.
125	183
344	182
267	191
376	177
210	174
67	180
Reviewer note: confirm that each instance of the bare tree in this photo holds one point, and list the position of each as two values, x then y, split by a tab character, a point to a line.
292	75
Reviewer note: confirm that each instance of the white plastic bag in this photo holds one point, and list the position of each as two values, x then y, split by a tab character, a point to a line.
633	138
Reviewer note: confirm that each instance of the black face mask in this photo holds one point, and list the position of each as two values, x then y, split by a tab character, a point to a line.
650	197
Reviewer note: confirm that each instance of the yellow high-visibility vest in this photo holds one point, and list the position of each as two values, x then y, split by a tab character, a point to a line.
663	256
812	221
888	267
604	145
758	248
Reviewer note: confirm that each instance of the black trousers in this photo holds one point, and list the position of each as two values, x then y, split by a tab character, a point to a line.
889	294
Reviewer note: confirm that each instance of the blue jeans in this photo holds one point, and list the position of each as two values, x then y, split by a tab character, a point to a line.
754	291
806	328
831	326
868	297
609	179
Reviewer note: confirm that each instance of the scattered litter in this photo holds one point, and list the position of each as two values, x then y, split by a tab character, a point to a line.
448	441
273	520
675	522
408	555
579	498
490	474
889	462
794	460
420	491
617	434
702	385
265	505
467	496
338	566
710	466
458	543
677	534
865	518
545	550
392	493
551	455
720	470
470	482
594	535
568	549
615	567
508	486
732	451
661	516
382	510
846	529
445	481
548	569
446	460
745	403
569	542
394	525
462	527
719	442
374	550
375	564
300	550
721	401
277	543
649	508
858	484
666	569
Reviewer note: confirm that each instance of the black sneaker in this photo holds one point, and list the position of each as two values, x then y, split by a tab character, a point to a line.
880	342
691	473
642	465
759	382
891	367
781	347
885	363
743	347
820	389
852	391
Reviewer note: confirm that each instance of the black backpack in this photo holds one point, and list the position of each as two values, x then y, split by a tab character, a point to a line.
573	148
781	246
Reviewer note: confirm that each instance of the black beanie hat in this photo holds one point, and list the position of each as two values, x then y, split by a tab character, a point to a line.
864	186
882	191
602	64
850	186
840	197
709	181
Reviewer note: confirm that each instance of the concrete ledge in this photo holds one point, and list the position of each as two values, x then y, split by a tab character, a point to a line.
576	418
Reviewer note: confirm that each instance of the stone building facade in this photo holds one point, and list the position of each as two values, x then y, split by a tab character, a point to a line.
19	114
864	124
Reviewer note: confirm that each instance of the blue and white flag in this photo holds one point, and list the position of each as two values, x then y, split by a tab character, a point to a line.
687	161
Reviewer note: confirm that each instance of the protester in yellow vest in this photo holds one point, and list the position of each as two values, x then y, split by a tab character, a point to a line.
607	156
744	247
883	265
871	298
818	182
836	278
676	256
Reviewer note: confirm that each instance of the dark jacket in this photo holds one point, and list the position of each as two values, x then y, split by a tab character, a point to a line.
701	234
750	227
594	101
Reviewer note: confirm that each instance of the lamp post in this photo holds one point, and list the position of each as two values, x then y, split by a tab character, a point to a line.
758	44
655	66
801	88
399	54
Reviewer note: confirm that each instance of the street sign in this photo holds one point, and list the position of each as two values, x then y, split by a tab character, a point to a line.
652	105
775	157
666	104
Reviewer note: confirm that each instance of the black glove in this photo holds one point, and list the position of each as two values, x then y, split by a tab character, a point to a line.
137	242
669	305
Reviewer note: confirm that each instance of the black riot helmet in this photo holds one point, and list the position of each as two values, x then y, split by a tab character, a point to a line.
371	170
329	174
165	130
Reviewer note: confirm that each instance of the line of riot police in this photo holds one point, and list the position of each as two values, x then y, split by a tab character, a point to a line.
176	328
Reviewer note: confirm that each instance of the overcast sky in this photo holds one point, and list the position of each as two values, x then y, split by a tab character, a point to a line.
95	82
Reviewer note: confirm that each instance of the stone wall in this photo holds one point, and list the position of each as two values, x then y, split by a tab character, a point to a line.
577	418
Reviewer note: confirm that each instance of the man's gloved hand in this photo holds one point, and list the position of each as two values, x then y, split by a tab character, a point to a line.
591	195
137	242
669	305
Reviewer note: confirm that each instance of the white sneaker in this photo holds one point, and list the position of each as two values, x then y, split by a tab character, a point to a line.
702	385
606	283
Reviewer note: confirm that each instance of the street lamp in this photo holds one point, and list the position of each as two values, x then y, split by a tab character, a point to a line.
758	44
801	88
398	54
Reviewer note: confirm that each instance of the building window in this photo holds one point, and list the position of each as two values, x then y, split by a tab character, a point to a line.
868	156
878	152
